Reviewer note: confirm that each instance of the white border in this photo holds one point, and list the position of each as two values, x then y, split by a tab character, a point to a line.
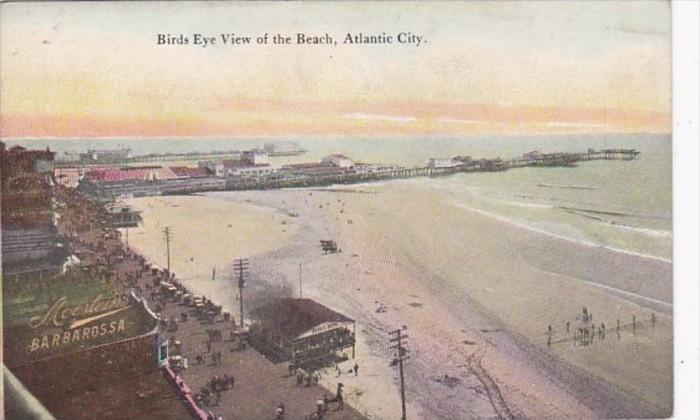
686	211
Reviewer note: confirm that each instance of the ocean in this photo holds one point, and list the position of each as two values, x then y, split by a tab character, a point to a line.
624	205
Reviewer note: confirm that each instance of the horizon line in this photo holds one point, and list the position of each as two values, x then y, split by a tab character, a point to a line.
317	136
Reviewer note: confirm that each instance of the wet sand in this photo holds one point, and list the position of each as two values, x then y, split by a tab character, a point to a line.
476	294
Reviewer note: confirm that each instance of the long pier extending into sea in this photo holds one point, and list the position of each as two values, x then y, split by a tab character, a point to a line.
288	179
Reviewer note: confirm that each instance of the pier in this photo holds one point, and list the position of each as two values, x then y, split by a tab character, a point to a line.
288	179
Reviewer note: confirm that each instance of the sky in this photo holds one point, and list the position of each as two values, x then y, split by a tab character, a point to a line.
96	70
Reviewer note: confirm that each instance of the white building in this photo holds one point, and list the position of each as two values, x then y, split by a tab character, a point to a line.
339	161
443	163
255	157
256	170
281	147
216	168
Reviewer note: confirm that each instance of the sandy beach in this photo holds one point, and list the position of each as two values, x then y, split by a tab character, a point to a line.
475	293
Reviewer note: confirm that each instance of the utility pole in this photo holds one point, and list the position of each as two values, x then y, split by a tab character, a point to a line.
167	234
240	269
398	338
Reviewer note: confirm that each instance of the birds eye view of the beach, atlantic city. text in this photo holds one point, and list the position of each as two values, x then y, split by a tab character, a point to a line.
340	211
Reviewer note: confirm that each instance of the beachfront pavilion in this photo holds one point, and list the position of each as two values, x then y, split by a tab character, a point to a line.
303	331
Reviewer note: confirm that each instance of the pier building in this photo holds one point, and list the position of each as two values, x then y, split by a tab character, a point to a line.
443	163
338	160
283	148
102	156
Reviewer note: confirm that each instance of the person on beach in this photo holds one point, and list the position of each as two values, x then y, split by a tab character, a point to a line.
356	368
339	396
319	409
326	400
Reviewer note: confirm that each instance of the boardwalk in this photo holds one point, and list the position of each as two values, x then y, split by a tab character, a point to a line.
260	386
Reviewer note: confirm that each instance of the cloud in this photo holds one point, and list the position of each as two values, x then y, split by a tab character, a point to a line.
379	117
568	124
458	121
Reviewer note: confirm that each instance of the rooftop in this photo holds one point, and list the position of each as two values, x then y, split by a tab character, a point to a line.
294	316
186	171
241	163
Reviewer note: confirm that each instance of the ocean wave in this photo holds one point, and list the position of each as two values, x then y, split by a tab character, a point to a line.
612	213
521	204
657	233
573	187
576	210
562	237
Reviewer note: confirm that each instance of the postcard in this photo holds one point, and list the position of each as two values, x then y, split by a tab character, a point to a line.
352	210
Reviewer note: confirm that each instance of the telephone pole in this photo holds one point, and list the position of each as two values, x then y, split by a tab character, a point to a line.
398	338
167	235
240	269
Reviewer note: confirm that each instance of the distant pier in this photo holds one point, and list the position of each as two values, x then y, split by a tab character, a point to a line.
123	157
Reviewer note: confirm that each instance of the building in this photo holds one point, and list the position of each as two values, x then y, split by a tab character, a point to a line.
141	173
283	148
189	172
121	216
303	331
314	169
215	168
466	160
339	161
438	163
86	350
93	156
70	177
252	163
30	246
535	154
246	167
255	157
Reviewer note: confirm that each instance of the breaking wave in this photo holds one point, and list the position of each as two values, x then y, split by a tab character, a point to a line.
562	237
